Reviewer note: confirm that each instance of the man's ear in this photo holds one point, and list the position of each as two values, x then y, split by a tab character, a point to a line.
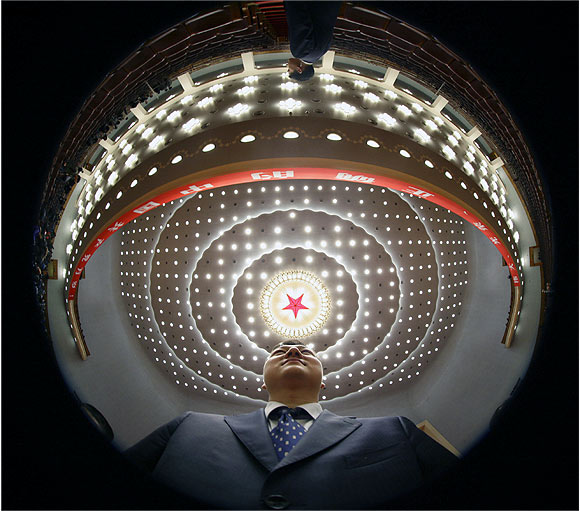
322	385
264	386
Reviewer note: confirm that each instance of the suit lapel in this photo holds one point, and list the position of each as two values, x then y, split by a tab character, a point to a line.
252	430
327	430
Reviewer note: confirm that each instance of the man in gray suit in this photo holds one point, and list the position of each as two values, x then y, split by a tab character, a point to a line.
291	454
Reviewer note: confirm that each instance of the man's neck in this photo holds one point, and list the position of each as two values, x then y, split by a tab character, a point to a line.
293	401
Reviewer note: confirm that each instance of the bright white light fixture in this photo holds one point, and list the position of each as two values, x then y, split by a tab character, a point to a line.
333	88
289	86
244	91
360	84
430	124
217	87
208	147
174	116
290	104
156	142
238	109
390	94
251	79
191	124
373	143
345	108
387	119
131	161
422	135
154	169
326	77
447	151
205	102
291	134
248	138
369	96
112	179
333	136
404	153
402	109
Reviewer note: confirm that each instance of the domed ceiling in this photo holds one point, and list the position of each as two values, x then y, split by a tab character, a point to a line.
364	212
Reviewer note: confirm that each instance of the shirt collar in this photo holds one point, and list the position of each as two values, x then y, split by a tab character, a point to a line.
314	409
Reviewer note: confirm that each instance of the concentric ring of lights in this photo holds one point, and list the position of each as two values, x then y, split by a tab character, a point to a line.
295	284
217	358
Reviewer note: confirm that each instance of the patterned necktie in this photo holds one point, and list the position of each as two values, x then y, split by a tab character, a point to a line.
288	432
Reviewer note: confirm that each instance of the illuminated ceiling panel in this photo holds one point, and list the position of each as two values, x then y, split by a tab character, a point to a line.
193	274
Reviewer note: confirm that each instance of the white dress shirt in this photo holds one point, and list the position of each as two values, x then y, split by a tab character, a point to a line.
314	409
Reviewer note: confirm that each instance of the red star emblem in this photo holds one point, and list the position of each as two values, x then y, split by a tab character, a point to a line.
295	304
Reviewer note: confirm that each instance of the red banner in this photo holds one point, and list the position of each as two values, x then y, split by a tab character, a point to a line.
283	174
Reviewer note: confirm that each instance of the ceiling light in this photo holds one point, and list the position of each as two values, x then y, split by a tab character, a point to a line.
248	138
156	142
333	88
373	143
238	109
289	86
290	104
333	136
447	151
387	119
208	147
345	108
291	134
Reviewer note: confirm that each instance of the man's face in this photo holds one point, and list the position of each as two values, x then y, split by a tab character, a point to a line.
293	366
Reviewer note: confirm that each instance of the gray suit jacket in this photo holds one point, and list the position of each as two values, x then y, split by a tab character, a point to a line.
341	463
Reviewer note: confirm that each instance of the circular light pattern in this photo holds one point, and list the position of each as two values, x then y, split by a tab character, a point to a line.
295	304
192	273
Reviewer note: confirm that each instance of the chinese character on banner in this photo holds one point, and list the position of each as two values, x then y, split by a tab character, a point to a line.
494	240
99	242
74	284
277	174
85	258
115	227
480	226
350	177
515	279
512	267
417	192
194	189
145	207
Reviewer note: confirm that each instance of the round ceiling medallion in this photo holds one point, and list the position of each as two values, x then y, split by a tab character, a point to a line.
295	304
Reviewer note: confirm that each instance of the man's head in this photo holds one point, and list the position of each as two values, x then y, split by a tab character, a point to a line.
299	70
293	374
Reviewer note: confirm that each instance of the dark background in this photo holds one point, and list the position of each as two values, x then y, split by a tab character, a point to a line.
53	56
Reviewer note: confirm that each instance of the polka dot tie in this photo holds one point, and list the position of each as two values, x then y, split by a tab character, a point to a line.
288	432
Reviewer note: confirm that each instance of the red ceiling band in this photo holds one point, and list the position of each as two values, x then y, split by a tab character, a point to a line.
289	174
